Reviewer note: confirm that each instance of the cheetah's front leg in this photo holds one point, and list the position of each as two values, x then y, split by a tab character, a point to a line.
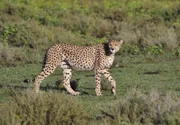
67	76
98	83
111	80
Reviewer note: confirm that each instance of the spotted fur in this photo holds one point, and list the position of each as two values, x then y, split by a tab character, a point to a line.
98	57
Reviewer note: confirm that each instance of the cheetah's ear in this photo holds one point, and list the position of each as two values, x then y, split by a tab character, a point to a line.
108	41
121	41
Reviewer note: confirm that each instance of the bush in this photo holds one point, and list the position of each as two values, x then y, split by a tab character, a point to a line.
13	56
138	108
50	108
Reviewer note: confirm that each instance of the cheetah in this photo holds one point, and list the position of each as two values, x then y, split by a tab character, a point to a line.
68	57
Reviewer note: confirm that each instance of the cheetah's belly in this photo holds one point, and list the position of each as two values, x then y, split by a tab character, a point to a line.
81	65
78	63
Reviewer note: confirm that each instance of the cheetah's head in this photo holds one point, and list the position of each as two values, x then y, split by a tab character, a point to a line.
114	46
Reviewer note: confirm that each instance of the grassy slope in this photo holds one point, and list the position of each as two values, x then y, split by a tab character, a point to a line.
28	28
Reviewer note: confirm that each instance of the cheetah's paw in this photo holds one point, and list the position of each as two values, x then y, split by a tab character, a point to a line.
76	93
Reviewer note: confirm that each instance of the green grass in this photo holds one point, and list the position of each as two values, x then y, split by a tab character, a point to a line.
144	73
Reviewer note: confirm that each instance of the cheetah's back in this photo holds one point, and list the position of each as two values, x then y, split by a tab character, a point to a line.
71	56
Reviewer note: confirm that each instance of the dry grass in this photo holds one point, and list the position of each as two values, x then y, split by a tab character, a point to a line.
137	108
50	108
53	108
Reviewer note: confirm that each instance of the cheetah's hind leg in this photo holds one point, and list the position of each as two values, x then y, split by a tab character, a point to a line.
66	82
47	70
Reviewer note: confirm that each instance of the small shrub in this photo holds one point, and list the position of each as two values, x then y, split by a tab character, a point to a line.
138	108
154	49
7	33
131	49
12	56
51	108
177	53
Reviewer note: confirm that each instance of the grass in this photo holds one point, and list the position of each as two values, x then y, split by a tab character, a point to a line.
141	73
148	62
